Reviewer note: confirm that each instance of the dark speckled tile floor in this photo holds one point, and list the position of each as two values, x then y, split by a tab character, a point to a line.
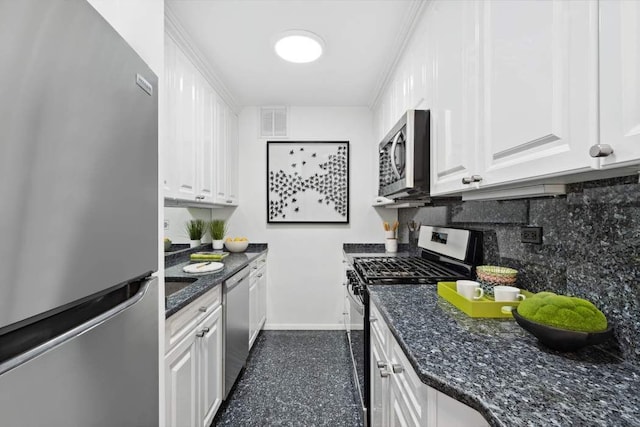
294	378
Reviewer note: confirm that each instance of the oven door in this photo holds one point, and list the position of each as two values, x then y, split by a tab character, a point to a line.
357	342
392	164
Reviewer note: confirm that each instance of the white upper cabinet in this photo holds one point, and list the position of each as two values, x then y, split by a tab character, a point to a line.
514	91
185	162
522	91
620	81
170	95
205	159
454	45
539	81
200	154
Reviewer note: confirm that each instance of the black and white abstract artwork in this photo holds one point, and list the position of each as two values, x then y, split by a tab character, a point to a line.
308	182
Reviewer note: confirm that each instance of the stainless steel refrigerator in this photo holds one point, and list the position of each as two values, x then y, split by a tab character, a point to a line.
78	221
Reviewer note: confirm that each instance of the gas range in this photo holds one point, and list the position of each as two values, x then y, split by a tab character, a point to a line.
446	254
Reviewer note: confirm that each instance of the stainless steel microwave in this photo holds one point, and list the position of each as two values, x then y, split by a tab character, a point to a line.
404	158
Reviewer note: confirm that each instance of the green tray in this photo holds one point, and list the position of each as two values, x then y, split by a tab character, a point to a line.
484	307
208	256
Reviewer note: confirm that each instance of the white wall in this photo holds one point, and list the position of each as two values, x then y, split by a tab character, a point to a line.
305	261
141	24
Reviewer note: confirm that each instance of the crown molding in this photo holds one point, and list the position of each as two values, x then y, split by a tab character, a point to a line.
410	21
175	30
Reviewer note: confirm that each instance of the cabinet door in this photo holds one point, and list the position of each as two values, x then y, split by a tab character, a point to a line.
262	296
181	384
253	310
170	110
185	128
400	413
232	160
539	104
620	80
210	367
379	384
220	151
454	45
205	143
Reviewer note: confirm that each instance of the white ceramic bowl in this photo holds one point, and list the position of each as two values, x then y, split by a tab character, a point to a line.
236	246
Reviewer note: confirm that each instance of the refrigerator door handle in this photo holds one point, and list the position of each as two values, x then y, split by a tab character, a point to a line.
78	330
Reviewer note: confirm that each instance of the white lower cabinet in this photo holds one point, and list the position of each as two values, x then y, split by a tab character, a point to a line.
399	398
193	363
257	298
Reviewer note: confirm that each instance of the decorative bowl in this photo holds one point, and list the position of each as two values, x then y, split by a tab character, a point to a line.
561	339
496	274
236	246
493	275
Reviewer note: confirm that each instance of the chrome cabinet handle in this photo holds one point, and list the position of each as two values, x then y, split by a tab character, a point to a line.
600	150
384	373
203	309
373	319
203	332
381	364
471	179
397	368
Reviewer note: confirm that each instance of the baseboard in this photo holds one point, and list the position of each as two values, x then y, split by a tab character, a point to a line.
303	327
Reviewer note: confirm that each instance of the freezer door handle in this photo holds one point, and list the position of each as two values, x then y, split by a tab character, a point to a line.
81	328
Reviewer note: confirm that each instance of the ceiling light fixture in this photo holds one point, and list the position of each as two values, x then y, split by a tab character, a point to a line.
299	46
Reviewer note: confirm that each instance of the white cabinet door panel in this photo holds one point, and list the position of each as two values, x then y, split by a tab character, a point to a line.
539	85
211	367
454	134
181	384
620	80
185	123
205	152
169	143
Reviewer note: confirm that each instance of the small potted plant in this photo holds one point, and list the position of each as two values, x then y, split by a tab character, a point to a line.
217	229
195	229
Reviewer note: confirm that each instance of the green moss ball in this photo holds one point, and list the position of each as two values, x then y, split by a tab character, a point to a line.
575	314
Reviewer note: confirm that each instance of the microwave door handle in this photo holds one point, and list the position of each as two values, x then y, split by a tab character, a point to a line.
394	147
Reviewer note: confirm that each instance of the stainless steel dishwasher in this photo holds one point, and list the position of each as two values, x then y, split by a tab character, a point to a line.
236	326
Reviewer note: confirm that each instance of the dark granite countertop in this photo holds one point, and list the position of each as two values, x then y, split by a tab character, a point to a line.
232	264
497	368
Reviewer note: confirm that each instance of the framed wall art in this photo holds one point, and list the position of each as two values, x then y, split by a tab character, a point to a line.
308	182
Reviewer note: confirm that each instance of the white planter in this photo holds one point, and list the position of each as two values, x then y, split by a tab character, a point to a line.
217	244
194	243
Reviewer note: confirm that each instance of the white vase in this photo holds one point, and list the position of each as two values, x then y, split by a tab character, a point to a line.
217	244
194	243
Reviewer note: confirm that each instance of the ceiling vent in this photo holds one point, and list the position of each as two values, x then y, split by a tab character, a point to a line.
273	122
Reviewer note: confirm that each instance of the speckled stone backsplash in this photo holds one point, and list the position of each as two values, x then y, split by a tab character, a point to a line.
590	249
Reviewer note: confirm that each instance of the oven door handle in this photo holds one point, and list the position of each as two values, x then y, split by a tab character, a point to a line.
358	305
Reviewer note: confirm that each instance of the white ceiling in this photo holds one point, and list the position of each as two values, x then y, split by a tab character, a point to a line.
235	38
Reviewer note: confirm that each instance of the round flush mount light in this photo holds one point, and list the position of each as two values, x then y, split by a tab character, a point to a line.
299	46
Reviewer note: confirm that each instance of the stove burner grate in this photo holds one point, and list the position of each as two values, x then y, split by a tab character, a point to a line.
396	269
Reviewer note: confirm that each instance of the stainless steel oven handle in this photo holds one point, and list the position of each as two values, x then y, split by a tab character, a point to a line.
394	147
357	304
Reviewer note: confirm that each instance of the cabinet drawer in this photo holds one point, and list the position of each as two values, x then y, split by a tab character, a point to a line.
179	325
379	328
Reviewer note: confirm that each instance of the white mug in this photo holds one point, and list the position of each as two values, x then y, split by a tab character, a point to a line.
391	245
469	289
507	293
